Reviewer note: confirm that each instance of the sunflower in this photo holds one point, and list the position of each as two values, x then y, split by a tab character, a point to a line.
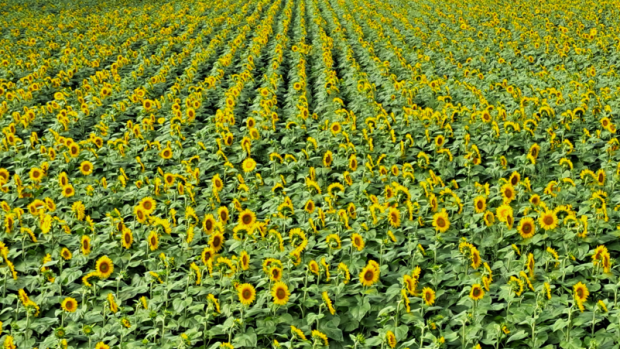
68	191
166	153
169	179
527	228
66	254
69	304
141	215
102	345
216	242
353	162
508	193
535	199
309	206
74	150
104	267
207	255
489	218
336	128
480	204
208	224
441	222
280	293
247	218
148	205
428	295
358	241
85	245
515	178
313	266
328	158
369	275
320	335
275	273
581	292
534	151
248	165
394	217
36	174
391	339
246	293
223	214
600	177
476	292
548	220
244	259
126	238
86	167
153	240
218	184
531	264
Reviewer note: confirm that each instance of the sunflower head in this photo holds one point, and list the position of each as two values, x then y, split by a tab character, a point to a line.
246	293
441	222
217	241
280	293
527	228
104	267
369	275
476	292
428	295
69	304
548	220
391	339
247	218
480	204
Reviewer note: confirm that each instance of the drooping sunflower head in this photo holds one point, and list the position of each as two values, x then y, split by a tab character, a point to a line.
246	293
314	267
391	339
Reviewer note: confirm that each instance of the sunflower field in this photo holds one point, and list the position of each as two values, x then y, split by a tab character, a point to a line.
309	174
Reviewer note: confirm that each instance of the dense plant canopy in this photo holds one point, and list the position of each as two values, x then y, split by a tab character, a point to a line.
309	173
